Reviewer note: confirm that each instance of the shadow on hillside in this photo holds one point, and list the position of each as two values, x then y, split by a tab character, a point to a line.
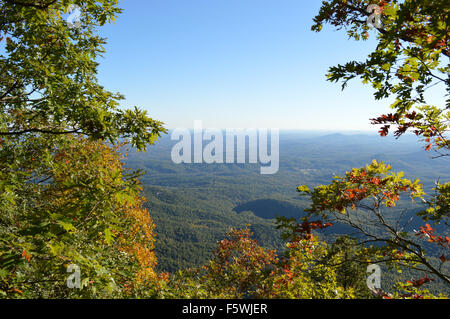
270	208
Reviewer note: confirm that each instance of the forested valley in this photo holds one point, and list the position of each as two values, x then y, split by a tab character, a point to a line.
92	206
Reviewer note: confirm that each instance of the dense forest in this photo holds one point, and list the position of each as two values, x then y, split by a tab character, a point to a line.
224	195
91	205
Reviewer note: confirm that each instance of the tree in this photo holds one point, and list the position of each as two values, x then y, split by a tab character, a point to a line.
48	73
241	268
411	57
358	200
350	273
81	208
65	197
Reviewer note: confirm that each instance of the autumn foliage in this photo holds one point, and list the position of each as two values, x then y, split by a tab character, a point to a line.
88	212
67	199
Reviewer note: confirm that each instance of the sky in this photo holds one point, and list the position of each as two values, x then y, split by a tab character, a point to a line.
235	64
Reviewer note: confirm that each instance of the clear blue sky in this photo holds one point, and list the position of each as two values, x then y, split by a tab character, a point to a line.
234	63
